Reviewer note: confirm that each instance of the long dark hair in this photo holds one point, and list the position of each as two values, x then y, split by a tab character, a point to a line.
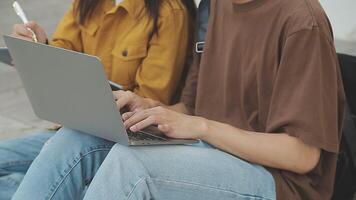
87	7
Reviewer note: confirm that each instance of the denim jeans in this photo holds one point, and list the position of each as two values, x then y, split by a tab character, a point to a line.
64	167
197	172
67	164
16	156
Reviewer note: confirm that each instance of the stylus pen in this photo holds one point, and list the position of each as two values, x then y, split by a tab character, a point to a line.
115	86
23	17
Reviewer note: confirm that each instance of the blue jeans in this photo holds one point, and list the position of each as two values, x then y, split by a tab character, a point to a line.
16	156
66	167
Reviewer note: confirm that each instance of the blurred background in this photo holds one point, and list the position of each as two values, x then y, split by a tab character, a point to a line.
47	13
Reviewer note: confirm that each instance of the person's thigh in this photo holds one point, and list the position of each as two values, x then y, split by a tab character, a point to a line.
16	155
9	184
179	172
64	167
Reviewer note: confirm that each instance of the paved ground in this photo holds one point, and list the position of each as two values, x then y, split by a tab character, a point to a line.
16	115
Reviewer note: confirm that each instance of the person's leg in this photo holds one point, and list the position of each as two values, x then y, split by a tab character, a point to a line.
178	173
9	185
16	155
64	167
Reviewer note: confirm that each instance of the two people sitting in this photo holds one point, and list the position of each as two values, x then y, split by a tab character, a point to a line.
265	99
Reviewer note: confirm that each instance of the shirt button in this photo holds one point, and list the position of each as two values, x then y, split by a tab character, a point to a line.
125	53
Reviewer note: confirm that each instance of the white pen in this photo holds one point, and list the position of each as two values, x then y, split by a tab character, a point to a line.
23	17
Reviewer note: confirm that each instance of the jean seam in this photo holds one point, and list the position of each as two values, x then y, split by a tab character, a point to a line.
210	187
135	186
70	168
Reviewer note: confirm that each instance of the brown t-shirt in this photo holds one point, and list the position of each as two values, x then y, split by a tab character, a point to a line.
270	66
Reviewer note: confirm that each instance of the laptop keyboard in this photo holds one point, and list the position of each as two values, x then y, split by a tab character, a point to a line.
138	136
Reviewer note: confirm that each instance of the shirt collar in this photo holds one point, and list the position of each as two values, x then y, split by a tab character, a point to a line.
133	7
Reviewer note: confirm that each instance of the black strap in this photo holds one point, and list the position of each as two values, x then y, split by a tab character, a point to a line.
202	20
349	132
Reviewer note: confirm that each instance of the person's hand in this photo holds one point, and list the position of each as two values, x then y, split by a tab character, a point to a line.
171	123
21	31
132	102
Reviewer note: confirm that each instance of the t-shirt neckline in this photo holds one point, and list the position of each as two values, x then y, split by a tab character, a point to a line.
248	6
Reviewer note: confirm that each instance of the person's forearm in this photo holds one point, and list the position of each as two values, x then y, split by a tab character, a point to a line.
272	150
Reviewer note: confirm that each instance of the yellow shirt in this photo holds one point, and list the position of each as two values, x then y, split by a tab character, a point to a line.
120	37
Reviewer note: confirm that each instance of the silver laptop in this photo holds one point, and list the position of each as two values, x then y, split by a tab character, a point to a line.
71	89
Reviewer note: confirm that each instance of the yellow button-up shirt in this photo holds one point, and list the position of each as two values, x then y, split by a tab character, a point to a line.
120	36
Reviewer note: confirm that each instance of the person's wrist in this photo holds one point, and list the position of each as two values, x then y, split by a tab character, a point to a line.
152	103
202	127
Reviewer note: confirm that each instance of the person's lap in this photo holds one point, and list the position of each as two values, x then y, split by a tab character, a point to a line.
71	159
16	155
178	172
68	162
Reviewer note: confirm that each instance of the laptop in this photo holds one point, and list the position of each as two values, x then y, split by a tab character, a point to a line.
71	89
5	56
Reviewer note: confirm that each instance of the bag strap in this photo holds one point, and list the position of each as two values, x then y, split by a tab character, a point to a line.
202	23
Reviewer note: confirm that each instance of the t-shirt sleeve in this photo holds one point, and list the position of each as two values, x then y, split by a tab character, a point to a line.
307	100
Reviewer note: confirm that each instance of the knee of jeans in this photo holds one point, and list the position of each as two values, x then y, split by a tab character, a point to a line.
69	139
124	160
119	175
